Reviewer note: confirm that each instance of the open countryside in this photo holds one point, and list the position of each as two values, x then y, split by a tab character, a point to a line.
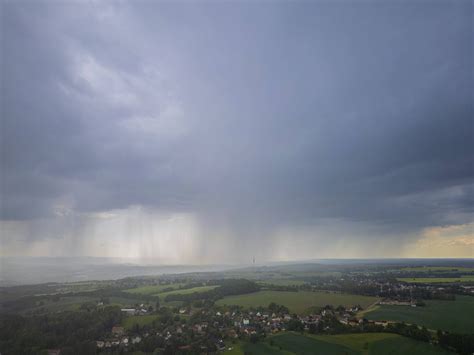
347	308
350	344
454	316
185	291
297	302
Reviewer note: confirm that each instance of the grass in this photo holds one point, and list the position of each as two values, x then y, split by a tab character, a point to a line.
129	322
358	342
186	291
348	344
261	348
437	279
236	349
399	345
301	344
454	316
153	289
297	302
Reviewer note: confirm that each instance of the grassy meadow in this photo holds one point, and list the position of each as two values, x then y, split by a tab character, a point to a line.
454	316
346	344
185	291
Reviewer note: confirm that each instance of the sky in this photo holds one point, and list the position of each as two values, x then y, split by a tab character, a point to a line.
214	132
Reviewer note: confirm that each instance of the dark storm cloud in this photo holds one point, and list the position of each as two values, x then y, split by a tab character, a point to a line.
252	116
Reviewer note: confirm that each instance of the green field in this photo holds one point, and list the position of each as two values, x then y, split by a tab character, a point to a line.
455	316
185	291
129	322
297	302
405	346
436	279
306	345
346	344
154	289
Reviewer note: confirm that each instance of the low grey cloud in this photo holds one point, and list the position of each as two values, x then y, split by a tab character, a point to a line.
254	118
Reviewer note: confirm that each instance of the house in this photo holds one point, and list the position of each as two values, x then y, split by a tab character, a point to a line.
136	340
232	334
100	344
130	311
245	321
54	351
117	330
353	322
220	345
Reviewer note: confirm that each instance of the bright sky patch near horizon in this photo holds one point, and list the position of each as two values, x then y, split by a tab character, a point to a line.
208	132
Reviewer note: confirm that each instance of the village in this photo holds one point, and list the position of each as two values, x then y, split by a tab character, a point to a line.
209	313
216	329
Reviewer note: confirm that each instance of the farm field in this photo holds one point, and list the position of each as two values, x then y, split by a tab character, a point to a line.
185	291
297	302
301	344
401	345
437	279
454	316
350	344
150	290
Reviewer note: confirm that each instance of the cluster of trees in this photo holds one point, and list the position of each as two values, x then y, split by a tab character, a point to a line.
411	331
461	343
278	308
73	332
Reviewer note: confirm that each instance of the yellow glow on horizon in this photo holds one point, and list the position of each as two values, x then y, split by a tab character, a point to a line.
455	241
